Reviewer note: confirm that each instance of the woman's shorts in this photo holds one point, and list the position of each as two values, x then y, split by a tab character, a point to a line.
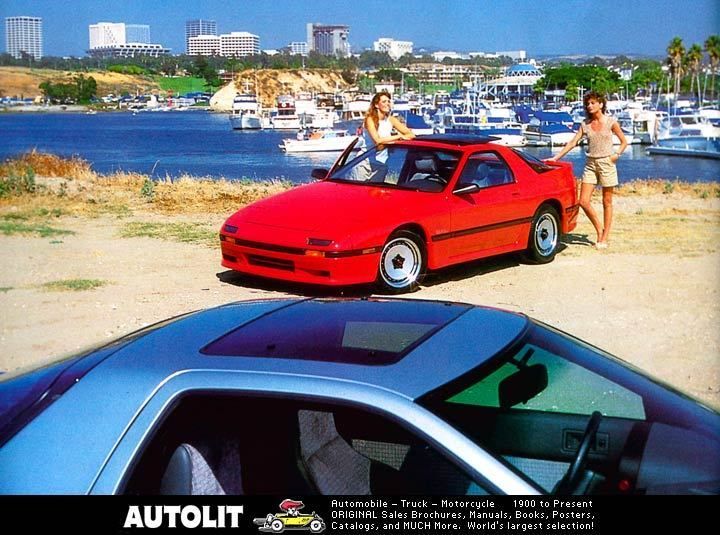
600	171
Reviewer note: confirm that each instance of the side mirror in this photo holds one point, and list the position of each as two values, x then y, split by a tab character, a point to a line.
523	385
319	174
466	188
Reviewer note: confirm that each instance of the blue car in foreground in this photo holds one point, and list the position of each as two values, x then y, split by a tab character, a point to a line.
295	397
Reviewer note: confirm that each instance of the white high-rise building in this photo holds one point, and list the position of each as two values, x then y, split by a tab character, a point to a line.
233	44
395	49
24	34
137	33
117	39
105	34
203	45
196	27
298	48
239	44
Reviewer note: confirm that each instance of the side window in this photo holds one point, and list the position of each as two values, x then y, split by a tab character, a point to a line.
571	389
239	445
486	169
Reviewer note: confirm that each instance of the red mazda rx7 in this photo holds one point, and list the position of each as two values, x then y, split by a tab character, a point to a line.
398	210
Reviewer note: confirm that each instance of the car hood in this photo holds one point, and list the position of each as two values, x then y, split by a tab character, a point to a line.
327	206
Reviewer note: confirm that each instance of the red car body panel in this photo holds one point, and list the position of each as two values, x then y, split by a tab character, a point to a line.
332	233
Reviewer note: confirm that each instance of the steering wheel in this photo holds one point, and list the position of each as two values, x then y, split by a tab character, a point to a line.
572	477
436	178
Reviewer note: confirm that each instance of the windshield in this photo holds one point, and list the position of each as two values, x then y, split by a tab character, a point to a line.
416	168
538	165
530	407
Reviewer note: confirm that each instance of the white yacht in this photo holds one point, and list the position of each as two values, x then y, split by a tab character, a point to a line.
246	112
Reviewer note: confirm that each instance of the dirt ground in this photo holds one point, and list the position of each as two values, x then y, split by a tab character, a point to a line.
652	303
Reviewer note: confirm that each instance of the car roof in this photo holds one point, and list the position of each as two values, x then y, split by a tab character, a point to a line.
451	140
458	342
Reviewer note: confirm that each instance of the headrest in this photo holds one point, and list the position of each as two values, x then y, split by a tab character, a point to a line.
482	171
426	164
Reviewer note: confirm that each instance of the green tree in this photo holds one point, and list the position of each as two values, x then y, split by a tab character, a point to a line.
85	87
712	47
693	63
676	52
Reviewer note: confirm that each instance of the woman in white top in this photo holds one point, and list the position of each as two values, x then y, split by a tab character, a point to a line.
600	162
379	124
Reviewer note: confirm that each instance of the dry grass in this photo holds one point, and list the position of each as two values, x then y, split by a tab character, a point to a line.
651	216
72	187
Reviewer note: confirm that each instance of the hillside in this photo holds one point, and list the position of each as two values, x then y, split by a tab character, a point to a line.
269	83
22	81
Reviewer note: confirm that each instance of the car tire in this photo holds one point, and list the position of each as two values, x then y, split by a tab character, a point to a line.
402	263
277	525
544	237
316	526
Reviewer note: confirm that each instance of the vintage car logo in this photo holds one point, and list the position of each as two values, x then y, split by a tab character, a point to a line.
290	519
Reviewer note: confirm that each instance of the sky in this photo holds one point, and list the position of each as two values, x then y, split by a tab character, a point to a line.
540	27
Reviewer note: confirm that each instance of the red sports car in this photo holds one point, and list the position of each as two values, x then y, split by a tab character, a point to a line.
396	211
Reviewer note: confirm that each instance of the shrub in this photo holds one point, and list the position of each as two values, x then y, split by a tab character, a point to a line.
18	181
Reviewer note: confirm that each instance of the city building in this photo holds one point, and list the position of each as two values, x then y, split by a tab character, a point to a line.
515	55
129	50
298	48
442	74
104	34
196	27
442	54
233	44
203	45
328	39
395	49
24	35
518	82
137	33
120	40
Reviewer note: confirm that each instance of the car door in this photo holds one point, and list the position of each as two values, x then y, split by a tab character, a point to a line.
487	220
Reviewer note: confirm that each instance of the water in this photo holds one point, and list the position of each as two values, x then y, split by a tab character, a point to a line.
171	144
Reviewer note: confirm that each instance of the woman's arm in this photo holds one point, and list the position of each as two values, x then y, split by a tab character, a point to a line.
623	142
568	146
402	129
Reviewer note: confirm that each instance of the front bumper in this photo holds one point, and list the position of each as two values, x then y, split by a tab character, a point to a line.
305	265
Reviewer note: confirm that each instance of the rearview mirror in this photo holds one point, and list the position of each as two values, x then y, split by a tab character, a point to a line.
523	385
319	174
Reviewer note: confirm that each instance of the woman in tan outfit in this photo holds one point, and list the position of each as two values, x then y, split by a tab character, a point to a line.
600	165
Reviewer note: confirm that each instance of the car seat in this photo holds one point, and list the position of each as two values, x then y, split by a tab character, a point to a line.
203	470
334	466
426	166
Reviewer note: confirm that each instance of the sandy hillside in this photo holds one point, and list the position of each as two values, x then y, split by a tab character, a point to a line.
269	83
21	81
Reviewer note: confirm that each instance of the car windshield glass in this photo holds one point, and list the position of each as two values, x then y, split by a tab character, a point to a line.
365	332
532	404
417	168
538	165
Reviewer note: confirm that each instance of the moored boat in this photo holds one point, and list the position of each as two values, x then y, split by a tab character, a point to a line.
327	140
698	146
246	112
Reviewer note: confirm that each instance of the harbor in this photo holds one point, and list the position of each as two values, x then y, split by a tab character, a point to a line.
204	144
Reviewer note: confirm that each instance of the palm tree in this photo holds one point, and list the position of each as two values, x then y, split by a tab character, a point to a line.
676	52
693	61
712	47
